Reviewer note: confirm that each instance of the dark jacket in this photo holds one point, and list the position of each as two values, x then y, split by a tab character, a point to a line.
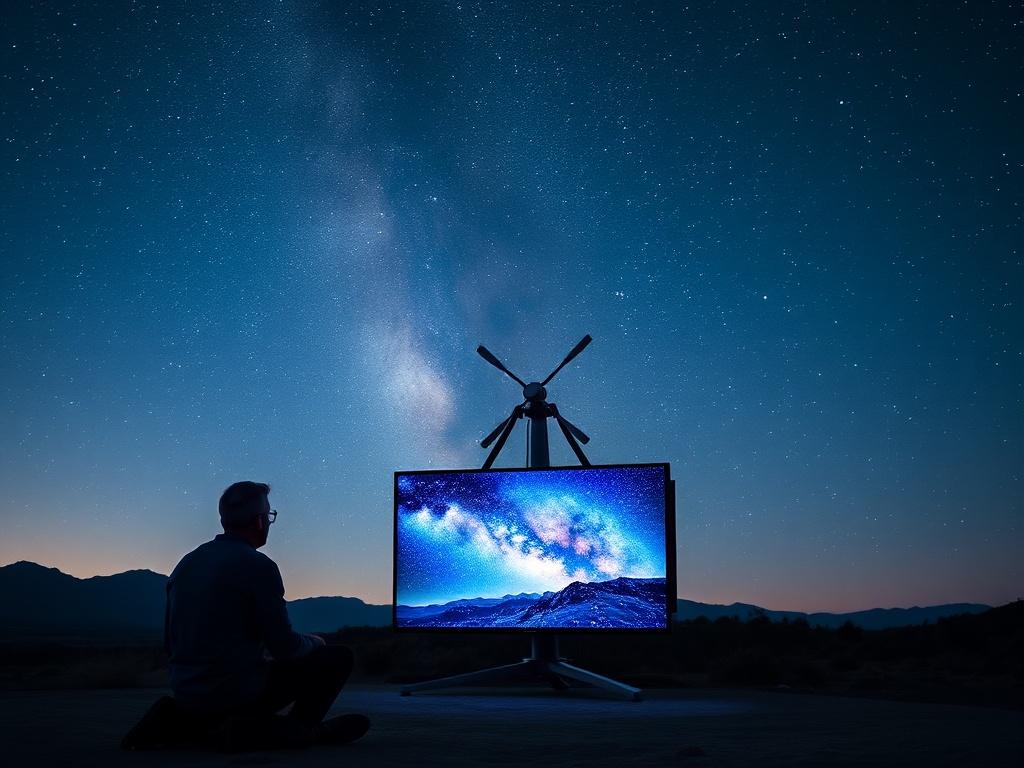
225	614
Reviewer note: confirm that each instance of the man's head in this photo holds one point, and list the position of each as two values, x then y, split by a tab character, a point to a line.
245	511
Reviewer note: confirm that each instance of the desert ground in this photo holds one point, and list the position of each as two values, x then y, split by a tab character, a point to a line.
522	726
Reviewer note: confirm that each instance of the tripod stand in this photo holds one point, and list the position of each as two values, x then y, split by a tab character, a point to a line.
544	660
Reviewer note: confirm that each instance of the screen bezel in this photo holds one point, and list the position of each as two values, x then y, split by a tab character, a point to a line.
670	557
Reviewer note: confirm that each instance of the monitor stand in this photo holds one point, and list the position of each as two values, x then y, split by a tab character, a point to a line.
544	662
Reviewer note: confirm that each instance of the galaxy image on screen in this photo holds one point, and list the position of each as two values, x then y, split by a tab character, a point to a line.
538	549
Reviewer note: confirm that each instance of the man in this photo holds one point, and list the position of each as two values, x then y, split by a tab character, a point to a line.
225	614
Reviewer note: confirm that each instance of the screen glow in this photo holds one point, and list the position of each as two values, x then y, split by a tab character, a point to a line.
578	548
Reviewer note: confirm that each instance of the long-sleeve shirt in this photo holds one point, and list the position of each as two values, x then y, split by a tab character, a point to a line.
225	613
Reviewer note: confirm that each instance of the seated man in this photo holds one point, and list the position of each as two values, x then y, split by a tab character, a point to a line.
225	613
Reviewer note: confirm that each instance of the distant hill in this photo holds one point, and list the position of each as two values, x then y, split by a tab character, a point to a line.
875	618
319	614
36	600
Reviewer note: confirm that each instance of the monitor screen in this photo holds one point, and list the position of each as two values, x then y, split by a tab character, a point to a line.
570	548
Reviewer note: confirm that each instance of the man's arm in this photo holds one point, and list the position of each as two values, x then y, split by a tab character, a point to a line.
272	616
167	617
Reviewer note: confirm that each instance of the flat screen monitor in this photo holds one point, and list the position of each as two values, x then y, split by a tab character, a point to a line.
561	548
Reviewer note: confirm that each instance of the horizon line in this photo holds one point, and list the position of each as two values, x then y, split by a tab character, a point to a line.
833	611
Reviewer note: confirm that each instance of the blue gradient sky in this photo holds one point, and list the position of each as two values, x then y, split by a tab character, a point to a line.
493	534
261	241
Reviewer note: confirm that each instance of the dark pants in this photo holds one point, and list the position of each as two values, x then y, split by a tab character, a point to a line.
310	684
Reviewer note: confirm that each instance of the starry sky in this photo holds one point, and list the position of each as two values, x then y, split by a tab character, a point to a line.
263	240
491	534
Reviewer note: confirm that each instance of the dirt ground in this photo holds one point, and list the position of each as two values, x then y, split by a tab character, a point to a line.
522	726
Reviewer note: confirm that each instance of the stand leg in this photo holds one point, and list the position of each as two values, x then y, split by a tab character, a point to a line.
561	669
470	678
544	662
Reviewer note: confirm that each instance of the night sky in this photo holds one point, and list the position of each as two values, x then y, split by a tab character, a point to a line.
263	240
492	534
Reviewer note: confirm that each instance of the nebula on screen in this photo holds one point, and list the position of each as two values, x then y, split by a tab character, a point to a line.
578	548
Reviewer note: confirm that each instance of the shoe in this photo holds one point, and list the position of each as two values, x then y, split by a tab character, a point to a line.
343	729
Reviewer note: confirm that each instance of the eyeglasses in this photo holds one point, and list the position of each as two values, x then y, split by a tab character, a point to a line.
271	516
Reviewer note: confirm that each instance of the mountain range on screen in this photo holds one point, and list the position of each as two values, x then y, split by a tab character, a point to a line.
622	603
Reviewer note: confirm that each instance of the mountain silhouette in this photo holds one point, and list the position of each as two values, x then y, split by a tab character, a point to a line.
36	600
875	618
319	614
